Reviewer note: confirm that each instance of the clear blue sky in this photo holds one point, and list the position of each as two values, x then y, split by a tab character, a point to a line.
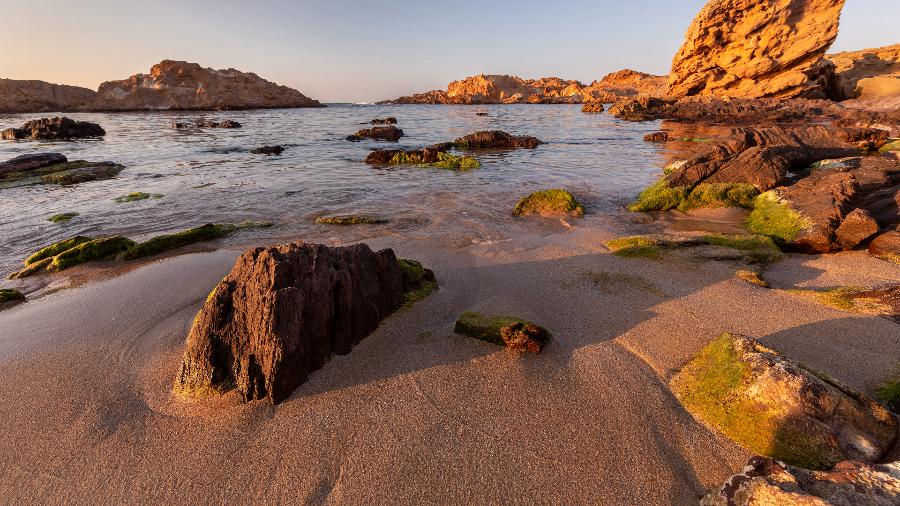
337	50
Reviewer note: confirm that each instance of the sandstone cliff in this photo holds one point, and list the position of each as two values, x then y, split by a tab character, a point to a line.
188	86
38	96
870	74
749	49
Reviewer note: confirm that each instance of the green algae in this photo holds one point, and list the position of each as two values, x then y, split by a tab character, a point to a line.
445	160
56	248
892	145
752	277
82	172
661	197
555	202
59	218
9	295
774	218
710	387
351	219
845	298
134	197
415	274
32	268
166	242
755	248
758	248
96	249
889	392
636	246
487	327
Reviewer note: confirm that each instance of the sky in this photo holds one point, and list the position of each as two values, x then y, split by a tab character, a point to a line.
354	51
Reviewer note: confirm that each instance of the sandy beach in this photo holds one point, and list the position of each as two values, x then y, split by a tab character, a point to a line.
416	414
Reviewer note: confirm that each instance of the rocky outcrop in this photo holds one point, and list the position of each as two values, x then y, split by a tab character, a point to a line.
268	150
502	89
781	409
178	85
381	133
26	163
870	74
54	129
53	168
767	481
38	96
592	107
283	311
496	139
738	48
887	245
856	227
514	333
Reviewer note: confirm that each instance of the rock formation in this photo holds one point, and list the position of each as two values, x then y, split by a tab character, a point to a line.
625	83
177	85
53	168
741	48
54	129
496	139
284	310
869	75
39	96
767	481
382	133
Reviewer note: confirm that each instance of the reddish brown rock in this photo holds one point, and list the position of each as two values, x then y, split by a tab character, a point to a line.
626	83
496	139
738	48
592	107
822	199
887	245
382	133
178	85
856	228
281	313
38	96
524	337
765	481
54	129
656	137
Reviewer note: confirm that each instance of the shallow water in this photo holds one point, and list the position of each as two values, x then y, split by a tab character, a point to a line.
209	176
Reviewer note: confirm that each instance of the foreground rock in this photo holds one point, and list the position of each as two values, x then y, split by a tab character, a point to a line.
381	133
736	48
780	409
178	85
767	481
17	96
496	139
549	203
283	311
432	156
514	333
53	168
54	129
887	245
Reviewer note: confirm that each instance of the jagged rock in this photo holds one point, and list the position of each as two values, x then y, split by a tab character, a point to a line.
592	107
765	481
178	85
267	150
524	337
18	96
856	227
625	83
736	48
656	137
25	163
283	311
382	133
781	409
55	129
868	75
496	139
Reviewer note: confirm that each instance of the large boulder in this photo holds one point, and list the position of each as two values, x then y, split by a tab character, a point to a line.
25	163
53	168
766	481
381	133
54	129
778	408
282	311
496	139
743	48
887	245
19	96
179	85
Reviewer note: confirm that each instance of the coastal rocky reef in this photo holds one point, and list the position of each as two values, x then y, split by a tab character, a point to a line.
870	76
53	168
736	48
767	481
503	89
170	85
283	311
53	129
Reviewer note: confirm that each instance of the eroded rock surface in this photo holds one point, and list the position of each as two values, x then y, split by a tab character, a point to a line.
281	313
739	48
869	75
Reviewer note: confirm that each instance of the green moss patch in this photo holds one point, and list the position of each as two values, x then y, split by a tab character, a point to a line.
487	327
711	387
613	282
774	218
661	197
852	299
637	246
418	282
445	160
134	197
58	218
9	295
96	249
755	248
555	202
892	145
56	248
351	219
889	392
759	248
752	277
167	242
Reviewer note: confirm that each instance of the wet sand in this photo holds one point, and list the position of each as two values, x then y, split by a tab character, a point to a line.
416	414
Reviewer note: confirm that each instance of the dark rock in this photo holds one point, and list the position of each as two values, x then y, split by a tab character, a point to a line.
382	133
524	337
384	121
25	163
268	150
856	227
656	137
768	481
382	156
510	331
81	172
641	108
218	124
282	312
481	114
495	139
54	129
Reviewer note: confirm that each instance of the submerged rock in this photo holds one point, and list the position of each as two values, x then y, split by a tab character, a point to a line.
26	163
780	409
768	481
59	218
384	121
136	196
54	129
514	333
549	203
218	124
351	219
592	107
82	172
382	133
10	295
656	137
268	150
53	168
282	312
495	139
433	156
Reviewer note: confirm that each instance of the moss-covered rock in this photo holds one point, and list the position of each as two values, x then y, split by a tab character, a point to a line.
752	277
753	248
418	282
637	246
81	172
780	409
96	249
56	248
135	196
889	392
167	242
507	331
444	160
58	218
880	301
351	219
891	145
774	218
9	295
549	203
758	248
661	197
